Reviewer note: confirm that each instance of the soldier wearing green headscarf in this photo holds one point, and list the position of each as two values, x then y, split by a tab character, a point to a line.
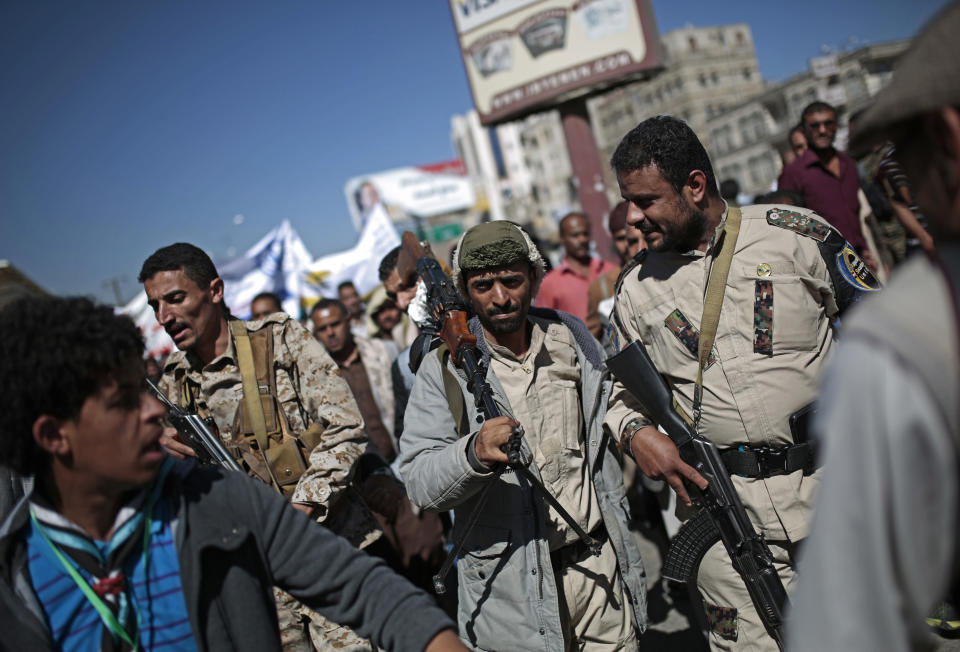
526	581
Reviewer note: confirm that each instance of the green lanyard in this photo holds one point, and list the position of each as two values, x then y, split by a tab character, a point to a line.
109	620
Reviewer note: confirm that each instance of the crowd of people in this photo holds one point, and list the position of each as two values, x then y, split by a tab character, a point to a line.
386	436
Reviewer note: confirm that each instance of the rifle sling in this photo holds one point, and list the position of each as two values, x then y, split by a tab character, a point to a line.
713	302
251	392
458	406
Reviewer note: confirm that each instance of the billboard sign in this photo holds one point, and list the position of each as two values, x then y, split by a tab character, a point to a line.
524	54
422	191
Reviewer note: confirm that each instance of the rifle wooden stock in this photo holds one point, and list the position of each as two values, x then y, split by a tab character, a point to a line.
456	333
410	252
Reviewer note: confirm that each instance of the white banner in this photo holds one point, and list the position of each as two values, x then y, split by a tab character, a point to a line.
157	342
423	191
275	264
360	264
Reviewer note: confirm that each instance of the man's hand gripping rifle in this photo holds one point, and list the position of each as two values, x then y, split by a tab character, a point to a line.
448	321
722	515
196	433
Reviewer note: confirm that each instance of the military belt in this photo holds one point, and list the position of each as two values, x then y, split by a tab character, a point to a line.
766	461
576	551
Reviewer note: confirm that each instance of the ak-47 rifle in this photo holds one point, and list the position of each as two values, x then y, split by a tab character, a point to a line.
196	433
448	321
722	515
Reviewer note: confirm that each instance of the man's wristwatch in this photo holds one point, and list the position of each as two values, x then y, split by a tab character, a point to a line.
633	426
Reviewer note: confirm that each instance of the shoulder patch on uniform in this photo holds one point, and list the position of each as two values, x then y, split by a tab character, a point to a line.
854	271
799	222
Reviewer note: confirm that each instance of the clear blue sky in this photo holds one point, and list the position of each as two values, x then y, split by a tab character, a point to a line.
125	126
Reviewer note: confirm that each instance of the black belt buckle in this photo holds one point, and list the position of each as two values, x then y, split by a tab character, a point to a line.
771	461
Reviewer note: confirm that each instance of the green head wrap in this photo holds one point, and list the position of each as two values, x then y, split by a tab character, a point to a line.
492	245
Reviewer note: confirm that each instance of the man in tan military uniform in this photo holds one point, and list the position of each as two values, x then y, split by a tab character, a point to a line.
318	424
790	276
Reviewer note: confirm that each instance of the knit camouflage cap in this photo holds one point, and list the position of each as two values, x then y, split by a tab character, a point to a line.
493	245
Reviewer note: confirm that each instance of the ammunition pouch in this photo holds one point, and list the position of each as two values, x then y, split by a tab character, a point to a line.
287	463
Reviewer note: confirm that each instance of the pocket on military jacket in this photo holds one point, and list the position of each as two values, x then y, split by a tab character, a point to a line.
286	461
784	315
484	552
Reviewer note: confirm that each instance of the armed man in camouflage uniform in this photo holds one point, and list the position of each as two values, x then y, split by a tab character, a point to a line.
315	429
791	275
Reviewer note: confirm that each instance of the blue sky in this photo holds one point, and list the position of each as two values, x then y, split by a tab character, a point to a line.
125	126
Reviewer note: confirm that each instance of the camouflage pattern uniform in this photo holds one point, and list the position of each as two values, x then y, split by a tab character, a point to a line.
310	390
772	342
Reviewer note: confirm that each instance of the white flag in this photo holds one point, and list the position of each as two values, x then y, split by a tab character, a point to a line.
360	264
275	264
157	342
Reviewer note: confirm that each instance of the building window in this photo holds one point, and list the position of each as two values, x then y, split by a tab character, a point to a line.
693	44
746	73
702	79
740	39
715	78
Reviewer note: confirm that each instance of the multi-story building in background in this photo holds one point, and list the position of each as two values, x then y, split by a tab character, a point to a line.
528	160
748	139
712	81
708	69
543	162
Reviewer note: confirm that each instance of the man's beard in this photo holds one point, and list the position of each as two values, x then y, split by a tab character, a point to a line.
686	235
503	327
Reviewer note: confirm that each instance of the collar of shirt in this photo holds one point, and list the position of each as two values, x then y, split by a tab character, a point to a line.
350	361
536	342
228	356
717	232
596	265
809	159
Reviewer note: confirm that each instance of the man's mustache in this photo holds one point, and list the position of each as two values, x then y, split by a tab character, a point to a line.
504	310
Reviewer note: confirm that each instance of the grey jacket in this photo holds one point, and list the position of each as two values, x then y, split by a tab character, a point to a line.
508	596
235	539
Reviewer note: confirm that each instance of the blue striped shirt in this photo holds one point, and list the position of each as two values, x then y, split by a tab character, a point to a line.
74	622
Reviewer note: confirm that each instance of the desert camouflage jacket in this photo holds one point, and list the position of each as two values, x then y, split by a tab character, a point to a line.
310	390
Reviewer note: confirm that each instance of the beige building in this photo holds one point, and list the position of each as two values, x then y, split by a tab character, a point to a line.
746	140
712	81
708	70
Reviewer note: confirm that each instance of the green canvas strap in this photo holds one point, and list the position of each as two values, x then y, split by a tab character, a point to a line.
713	302
251	392
451	388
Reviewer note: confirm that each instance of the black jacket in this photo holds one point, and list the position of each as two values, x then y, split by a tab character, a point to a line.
235	540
